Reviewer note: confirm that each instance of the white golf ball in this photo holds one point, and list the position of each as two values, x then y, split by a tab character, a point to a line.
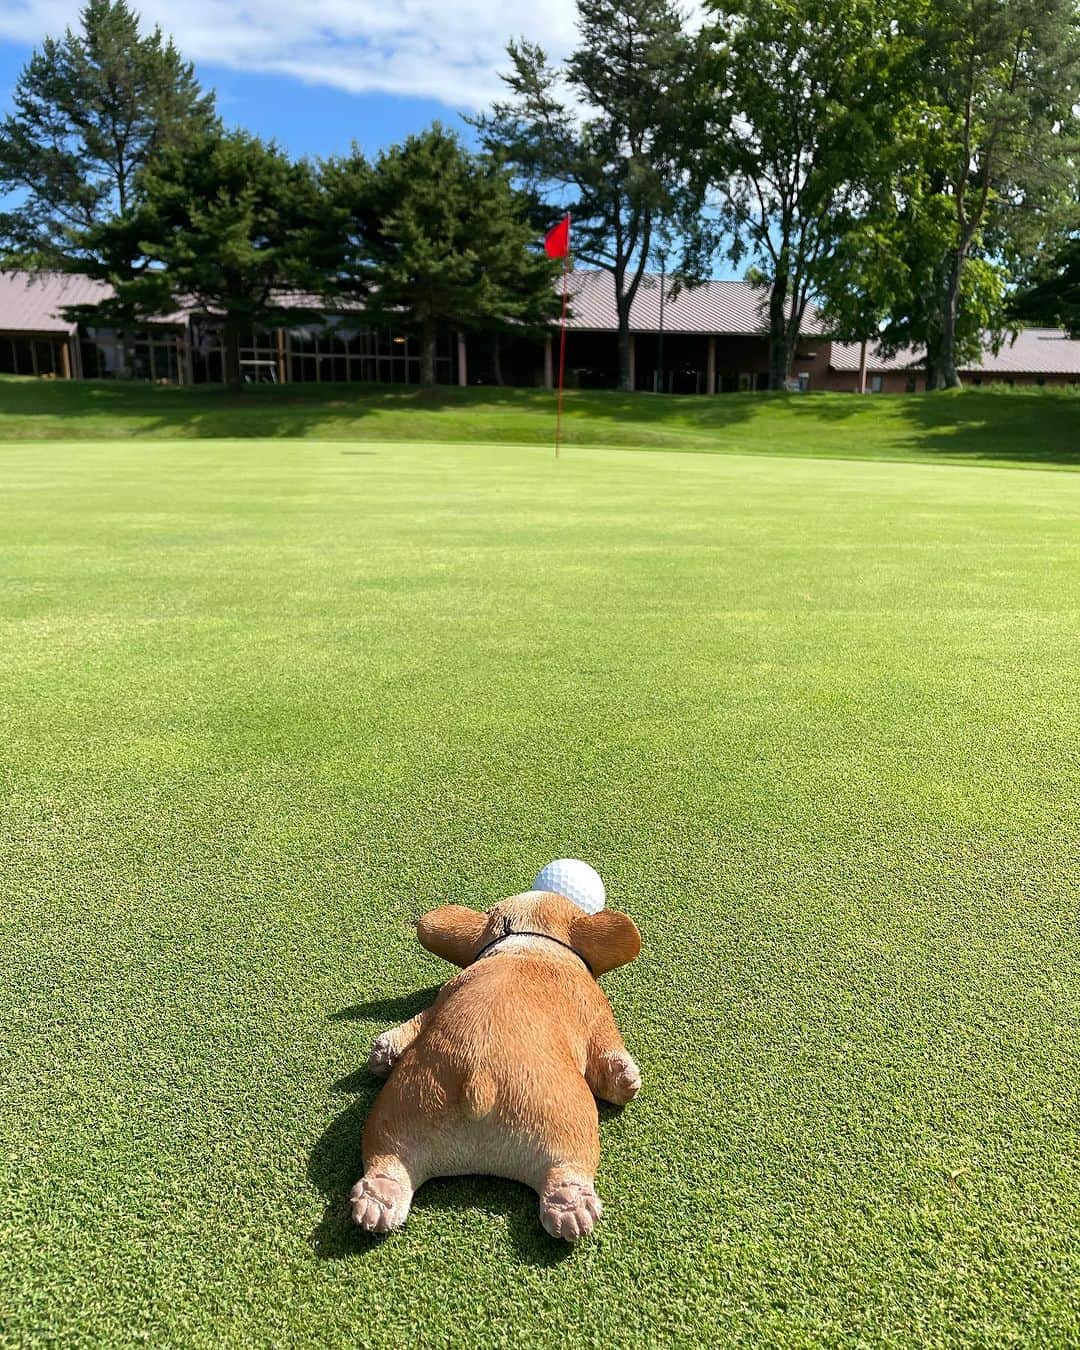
574	879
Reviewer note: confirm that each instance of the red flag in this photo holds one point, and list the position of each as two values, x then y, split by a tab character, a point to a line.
557	240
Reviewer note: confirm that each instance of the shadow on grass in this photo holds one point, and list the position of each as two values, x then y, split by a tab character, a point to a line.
394	1009
335	1164
1031	427
987	425
86	408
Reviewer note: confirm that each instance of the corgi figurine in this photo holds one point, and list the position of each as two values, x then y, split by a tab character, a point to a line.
499	1076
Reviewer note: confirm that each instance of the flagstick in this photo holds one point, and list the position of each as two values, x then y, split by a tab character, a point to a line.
562	352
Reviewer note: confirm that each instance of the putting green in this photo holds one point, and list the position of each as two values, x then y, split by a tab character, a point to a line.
816	723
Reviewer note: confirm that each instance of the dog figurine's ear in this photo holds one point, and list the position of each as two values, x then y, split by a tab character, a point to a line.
606	940
452	932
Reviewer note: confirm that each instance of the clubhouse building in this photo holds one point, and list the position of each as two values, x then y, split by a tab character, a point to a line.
708	340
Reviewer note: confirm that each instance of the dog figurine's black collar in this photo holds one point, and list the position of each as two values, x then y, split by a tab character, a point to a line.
512	933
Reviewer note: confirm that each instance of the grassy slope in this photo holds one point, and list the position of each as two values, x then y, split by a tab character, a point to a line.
816	723
1037	427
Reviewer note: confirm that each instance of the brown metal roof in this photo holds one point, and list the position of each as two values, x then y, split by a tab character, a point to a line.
1034	351
720	307
31	303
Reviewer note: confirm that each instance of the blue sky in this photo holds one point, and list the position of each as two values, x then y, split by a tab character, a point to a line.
317	75
307	119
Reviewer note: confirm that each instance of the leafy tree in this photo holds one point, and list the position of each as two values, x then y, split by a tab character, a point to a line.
227	221
793	101
995	155
433	234
882	282
919	276
1052	294
90	111
601	135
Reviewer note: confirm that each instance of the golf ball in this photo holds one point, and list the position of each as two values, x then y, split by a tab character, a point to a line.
574	879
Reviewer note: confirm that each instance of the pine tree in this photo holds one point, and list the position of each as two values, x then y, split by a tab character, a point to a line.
227	221
437	235
91	110
602	135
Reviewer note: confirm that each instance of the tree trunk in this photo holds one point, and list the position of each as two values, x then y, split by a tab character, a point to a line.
429	341
780	349
934	378
496	360
626	374
947	373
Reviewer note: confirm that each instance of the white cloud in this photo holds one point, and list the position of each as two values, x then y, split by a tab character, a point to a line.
450	50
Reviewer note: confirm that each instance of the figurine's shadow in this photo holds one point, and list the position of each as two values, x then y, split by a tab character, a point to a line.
335	1164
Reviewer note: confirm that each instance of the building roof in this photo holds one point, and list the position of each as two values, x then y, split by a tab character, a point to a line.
719	307
1033	351
31	302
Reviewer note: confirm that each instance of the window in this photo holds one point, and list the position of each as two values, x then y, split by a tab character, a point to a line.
150	354
877	384
332	350
30	356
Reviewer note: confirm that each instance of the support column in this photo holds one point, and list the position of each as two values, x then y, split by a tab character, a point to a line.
549	364
65	358
462	368
710	367
633	362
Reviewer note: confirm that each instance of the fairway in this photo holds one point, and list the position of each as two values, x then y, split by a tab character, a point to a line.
816	722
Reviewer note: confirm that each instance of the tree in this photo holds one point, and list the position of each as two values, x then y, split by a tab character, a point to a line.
792	103
997	145
1052	293
919	271
90	111
601	135
433	234
227	221
881	283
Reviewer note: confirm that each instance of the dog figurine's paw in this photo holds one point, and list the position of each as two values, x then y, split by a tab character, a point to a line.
628	1079
380	1203
384	1055
622	1078
570	1209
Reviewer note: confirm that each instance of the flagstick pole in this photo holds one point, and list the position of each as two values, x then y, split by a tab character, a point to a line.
562	353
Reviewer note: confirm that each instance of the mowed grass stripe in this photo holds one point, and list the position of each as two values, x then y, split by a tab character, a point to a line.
816	724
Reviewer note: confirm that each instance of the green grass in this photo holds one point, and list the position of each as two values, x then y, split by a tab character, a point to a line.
816	722
1036	427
